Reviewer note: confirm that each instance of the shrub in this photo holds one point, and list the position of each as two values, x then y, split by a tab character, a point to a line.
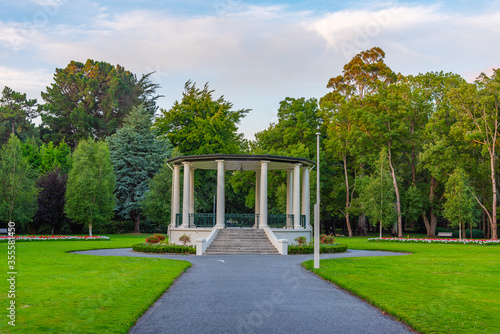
309	249
327	239
476	234
301	241
185	239
152	240
160	237
164	248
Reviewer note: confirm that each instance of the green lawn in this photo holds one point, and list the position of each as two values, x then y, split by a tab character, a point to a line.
70	293
437	289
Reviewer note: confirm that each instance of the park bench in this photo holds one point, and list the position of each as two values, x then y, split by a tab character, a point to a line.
445	234
3	231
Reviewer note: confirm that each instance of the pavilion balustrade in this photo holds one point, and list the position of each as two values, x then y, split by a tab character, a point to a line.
208	220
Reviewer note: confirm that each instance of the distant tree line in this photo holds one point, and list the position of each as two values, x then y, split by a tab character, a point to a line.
404	153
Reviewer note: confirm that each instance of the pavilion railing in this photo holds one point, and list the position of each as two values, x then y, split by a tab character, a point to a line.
197	220
242	220
280	221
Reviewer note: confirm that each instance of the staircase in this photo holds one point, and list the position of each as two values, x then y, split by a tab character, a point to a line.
241	241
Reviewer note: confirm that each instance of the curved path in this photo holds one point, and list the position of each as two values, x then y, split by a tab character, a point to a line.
257	294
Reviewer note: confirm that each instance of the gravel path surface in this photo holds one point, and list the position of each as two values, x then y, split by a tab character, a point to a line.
257	294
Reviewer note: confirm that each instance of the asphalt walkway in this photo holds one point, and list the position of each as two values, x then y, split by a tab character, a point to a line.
257	294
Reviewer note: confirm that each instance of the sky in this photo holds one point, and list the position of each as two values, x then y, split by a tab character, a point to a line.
254	53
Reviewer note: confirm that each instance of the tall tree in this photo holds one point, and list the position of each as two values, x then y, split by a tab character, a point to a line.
91	183
478	106
92	100
137	155
17	184
16	113
362	77
460	205
155	205
200	124
51	200
377	194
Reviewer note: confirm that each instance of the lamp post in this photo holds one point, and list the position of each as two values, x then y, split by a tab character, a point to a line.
316	209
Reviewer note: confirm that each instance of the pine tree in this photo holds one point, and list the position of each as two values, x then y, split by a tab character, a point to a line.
137	155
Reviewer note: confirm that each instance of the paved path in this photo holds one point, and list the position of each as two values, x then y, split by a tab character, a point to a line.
257	294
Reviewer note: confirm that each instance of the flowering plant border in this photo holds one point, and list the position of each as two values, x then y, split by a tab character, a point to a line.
438	241
20	238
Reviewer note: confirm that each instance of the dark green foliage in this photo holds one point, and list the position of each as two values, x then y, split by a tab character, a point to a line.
199	124
17	184
92	100
476	234
324	249
16	114
91	182
156	203
136	155
162	248
114	227
51	200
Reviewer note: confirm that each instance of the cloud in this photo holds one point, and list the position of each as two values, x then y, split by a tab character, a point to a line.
25	81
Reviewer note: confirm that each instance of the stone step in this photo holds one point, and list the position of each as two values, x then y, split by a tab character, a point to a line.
241	241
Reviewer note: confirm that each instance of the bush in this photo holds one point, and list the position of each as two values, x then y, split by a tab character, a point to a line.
301	241
309	249
327	239
152	240
114	227
164	248
185	239
160	237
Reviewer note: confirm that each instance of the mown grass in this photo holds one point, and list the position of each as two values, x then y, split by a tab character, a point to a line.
71	293
437	289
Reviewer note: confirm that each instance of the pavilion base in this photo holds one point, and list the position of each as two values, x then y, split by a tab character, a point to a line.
202	237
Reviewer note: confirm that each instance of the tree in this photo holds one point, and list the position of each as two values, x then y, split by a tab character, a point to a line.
17	184
478	107
51	200
460	205
156	205
16	113
92	100
91	183
55	157
137	155
377	197
199	124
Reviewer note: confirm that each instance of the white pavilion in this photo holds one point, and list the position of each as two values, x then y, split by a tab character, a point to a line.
203	228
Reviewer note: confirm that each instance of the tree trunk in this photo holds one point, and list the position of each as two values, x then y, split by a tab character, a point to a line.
362	225
90	229
137	223
494	235
396	189
380	230
347	199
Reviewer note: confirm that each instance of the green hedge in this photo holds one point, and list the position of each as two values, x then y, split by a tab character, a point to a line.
164	248
324	249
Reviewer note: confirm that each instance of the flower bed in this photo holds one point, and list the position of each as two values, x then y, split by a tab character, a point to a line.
439	241
164	248
323	249
19	238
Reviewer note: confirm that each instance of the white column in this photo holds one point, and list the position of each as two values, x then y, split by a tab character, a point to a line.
176	189
220	220
263	194
257	196
306	198
191	191
296	196
185	193
289	197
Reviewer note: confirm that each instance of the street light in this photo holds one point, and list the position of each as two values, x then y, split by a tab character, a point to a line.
316	209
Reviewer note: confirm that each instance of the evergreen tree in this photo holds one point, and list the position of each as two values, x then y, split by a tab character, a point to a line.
156	204
17	184
136	155
91	182
16	113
